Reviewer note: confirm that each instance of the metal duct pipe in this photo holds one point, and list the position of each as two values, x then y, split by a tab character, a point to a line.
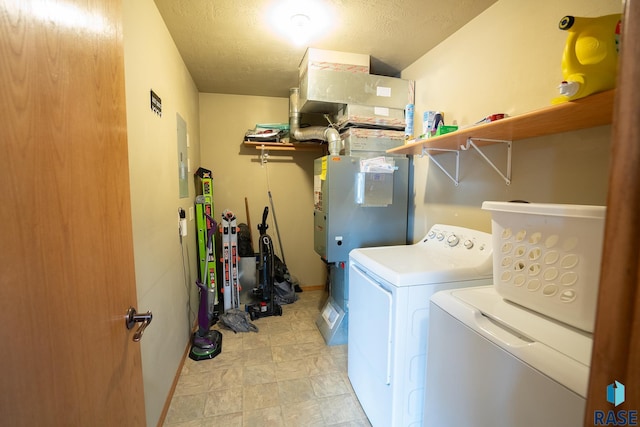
328	134
294	113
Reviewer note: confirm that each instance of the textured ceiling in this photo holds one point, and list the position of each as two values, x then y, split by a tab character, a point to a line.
230	47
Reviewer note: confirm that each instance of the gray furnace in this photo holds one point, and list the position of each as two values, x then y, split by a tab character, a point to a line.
358	202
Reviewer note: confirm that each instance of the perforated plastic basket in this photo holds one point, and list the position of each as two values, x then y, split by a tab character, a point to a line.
546	257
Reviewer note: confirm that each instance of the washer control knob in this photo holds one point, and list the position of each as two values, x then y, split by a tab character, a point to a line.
452	240
468	244
431	234
440	236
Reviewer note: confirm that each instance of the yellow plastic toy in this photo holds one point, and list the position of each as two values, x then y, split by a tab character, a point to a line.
590	57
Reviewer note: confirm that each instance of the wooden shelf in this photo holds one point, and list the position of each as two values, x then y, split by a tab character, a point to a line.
281	146
594	110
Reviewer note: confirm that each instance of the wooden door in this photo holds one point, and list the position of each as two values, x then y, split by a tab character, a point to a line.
66	252
616	347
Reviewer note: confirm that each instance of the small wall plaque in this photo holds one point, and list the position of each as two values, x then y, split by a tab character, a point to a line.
156	104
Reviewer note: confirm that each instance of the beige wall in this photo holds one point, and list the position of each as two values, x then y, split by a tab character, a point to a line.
507	60
152	62
238	173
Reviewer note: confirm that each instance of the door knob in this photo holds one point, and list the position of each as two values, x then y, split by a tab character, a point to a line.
133	317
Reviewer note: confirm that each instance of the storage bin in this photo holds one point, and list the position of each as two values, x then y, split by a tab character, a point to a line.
546	257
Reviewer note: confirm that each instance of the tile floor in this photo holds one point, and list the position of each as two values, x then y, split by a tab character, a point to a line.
283	375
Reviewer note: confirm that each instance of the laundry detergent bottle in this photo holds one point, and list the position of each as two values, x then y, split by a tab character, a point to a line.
590	57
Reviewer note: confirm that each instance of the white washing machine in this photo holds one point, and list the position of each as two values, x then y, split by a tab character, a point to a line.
389	291
493	363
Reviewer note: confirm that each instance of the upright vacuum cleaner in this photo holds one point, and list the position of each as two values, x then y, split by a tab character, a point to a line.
266	306
206	344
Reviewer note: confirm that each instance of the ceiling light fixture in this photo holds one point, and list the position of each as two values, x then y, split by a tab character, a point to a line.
301	21
301	29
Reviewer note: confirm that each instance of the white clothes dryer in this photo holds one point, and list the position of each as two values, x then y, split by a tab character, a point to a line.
389	291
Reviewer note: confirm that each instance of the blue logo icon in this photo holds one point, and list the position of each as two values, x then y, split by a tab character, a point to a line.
615	393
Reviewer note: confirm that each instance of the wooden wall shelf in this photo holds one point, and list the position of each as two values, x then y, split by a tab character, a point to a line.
280	146
594	110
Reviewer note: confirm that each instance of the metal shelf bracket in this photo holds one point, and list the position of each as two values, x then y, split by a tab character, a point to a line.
507	176
425	152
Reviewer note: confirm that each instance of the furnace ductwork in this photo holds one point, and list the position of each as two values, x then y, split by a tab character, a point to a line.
321	133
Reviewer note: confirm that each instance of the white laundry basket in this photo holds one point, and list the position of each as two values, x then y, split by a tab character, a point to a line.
546	257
